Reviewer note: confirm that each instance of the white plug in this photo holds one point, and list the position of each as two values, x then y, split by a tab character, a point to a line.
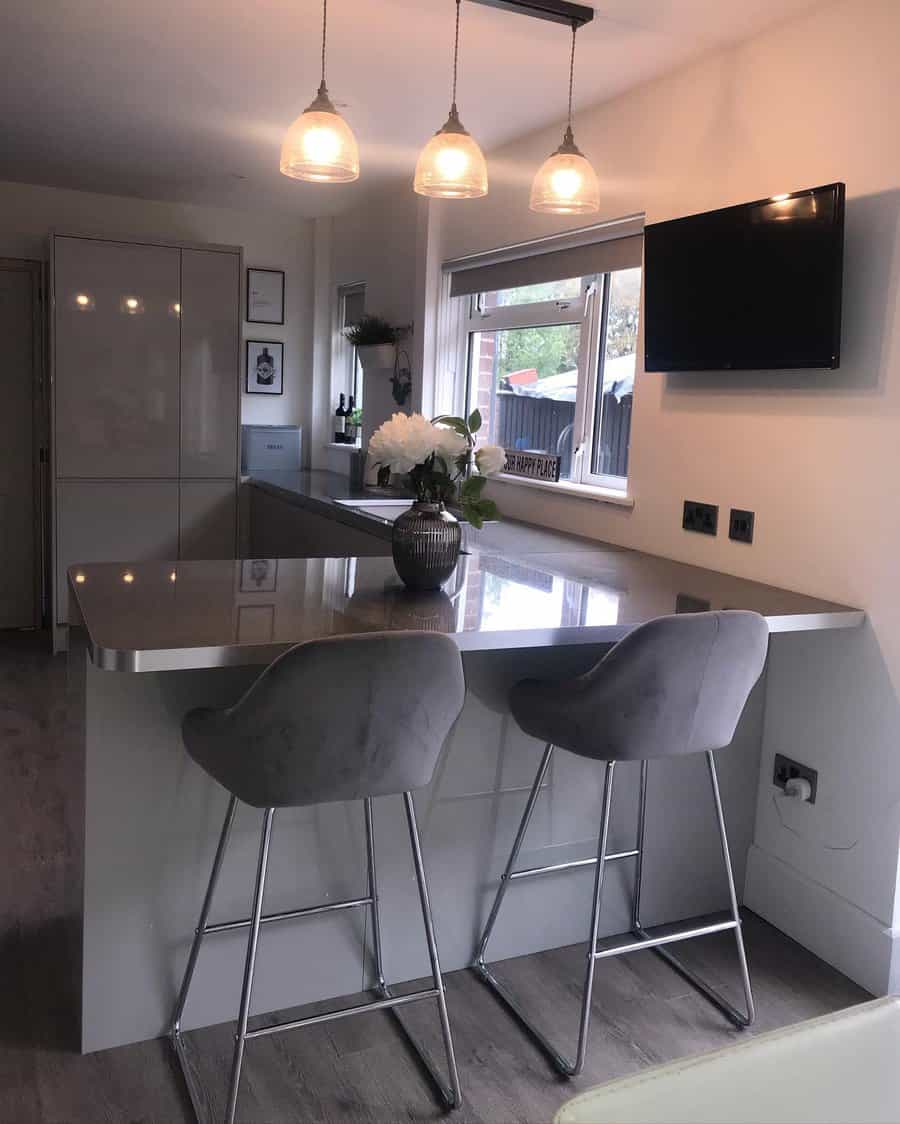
798	788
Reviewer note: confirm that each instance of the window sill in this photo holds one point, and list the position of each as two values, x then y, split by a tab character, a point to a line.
567	488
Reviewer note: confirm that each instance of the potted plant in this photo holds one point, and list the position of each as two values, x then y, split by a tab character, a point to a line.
375	340
442	465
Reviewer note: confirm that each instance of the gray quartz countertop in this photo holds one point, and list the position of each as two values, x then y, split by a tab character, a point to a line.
329	494
519	587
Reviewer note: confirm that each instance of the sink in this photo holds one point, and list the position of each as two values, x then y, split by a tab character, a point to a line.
377	501
383	508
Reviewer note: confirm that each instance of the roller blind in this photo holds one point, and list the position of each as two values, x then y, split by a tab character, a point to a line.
574	261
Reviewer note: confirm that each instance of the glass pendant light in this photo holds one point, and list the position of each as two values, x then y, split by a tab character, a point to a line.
320	146
566	184
451	165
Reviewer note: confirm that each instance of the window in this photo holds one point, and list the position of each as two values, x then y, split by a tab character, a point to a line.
550	364
351	306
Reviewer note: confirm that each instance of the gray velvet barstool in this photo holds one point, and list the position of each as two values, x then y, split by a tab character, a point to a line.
673	686
348	718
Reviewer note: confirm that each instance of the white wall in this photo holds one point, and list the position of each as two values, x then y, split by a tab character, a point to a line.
815	454
384	243
28	213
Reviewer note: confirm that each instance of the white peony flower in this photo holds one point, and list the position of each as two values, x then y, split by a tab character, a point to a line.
406	440
490	459
449	444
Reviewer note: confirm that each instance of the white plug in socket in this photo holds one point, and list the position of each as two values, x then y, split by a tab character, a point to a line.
798	788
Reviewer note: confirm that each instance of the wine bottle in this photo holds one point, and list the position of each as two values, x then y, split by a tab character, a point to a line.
340	422
350	426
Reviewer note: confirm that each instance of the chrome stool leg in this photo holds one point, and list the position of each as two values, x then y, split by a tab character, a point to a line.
450	1094
432	950
560	1061
250	964
643	939
380	984
197	1099
739	1018
200	931
595	923
507	874
639	861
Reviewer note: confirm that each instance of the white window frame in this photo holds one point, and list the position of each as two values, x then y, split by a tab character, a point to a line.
348	370
590	311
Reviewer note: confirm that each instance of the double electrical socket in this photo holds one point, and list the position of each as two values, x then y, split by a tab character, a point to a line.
704	519
785	769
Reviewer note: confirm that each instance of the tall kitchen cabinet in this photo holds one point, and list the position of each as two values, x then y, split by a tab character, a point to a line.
146	399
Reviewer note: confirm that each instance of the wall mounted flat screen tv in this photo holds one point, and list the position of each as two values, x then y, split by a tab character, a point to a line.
754	287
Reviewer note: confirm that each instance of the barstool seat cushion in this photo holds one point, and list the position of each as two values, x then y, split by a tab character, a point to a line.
675	685
342	718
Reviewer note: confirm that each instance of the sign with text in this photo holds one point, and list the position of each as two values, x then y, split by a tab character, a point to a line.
534	466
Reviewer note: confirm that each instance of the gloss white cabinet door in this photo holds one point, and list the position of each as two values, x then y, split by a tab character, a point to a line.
208	519
116	341
112	521
210	376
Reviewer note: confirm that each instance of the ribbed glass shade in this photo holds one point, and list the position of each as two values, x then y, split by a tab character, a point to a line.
320	145
566	184
451	165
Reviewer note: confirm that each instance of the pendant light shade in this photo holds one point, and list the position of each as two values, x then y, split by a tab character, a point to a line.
451	165
566	183
320	146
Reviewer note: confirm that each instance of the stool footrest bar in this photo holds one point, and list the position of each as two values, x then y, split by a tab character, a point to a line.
287	915
645	941
343	1012
531	871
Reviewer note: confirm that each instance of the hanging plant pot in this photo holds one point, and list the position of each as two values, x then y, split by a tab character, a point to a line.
376	356
426	542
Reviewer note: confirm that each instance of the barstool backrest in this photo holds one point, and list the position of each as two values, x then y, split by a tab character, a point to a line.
336	719
673	685
677	684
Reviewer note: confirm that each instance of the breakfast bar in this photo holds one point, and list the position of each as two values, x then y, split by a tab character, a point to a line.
152	640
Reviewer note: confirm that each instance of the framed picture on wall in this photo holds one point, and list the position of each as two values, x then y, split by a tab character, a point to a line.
265	296
265	371
259	575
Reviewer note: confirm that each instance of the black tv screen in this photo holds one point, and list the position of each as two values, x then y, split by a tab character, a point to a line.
754	287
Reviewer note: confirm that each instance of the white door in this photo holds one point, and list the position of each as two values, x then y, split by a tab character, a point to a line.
20	367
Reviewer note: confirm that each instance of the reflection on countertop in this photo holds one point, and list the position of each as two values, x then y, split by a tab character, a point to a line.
156	616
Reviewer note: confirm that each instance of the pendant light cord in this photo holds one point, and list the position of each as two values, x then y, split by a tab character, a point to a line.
324	29
571	70
455	57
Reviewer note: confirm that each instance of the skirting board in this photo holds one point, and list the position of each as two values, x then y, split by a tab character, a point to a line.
836	930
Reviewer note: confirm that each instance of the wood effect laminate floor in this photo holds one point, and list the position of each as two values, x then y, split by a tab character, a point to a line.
353	1070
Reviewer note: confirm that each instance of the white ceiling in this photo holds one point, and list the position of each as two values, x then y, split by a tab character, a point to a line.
188	99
